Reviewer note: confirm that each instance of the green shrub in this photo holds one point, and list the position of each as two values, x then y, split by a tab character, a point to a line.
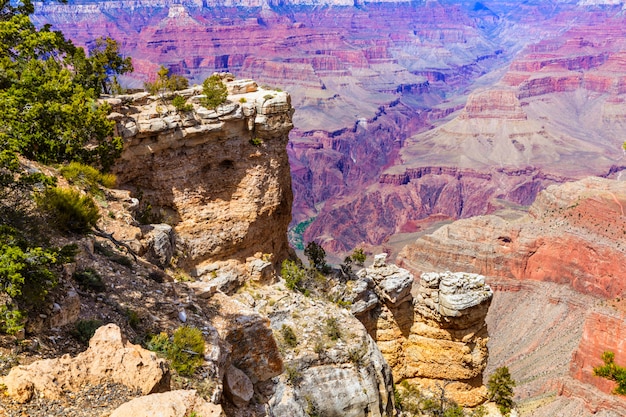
89	280
243	100
215	92
177	82
610	370
332	328
133	318
86	176
181	105
292	274
69	210
289	337
185	350
159	343
85	329
256	141
294	376
358	256
27	273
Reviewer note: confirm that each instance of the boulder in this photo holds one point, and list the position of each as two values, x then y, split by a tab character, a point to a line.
159	241
109	358
180	403
239	388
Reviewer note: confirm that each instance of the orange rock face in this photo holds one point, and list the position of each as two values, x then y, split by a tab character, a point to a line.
220	178
574	234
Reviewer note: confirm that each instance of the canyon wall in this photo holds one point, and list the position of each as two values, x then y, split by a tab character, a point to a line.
219	177
556	271
583	219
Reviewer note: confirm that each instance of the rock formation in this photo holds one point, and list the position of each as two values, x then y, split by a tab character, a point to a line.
583	219
331	365
431	331
603	331
219	177
550	267
110	357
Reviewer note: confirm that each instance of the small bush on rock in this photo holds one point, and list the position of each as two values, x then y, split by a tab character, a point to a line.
215	92
181	105
86	177
332	328
289	337
89	280
69	210
85	329
185	350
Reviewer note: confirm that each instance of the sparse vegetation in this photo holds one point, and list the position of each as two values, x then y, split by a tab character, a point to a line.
610	370
133	318
288	335
86	177
256	141
332	328
294	376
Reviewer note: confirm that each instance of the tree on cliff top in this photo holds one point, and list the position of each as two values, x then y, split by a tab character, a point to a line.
500	388
316	255
215	92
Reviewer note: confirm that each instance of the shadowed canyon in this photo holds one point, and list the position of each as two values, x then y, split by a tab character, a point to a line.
475	137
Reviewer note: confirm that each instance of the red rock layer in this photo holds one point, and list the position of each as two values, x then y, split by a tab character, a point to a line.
574	234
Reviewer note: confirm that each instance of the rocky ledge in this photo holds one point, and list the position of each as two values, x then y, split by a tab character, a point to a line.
219	177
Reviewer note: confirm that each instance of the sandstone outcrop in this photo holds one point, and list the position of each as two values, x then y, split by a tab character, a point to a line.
179	403
110	358
429	331
219	177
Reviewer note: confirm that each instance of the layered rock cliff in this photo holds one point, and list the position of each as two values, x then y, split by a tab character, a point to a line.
219	177
557	275
431	331
583	219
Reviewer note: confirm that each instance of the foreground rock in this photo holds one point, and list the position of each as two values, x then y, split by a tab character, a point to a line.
180	403
330	365
110	358
431	331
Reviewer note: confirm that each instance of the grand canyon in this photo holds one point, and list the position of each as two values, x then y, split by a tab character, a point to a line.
482	138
